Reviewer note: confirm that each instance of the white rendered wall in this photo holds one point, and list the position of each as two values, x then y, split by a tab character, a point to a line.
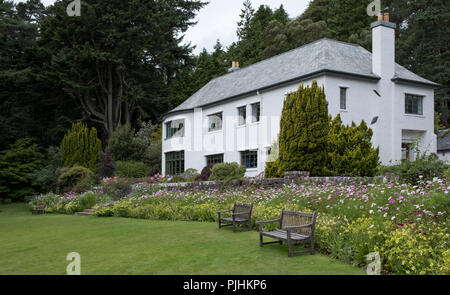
362	104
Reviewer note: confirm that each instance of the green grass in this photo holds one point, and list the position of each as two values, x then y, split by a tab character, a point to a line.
38	244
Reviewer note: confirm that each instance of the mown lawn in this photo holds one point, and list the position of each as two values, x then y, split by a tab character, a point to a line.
38	244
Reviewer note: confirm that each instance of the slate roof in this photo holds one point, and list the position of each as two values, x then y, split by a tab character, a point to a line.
443	140
321	56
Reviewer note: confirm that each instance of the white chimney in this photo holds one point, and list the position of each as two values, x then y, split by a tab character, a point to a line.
383	47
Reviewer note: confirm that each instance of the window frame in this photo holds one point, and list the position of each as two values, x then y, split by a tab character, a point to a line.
174	163
215	159
244	115
209	122
249	153
174	132
258	115
409	97
343	98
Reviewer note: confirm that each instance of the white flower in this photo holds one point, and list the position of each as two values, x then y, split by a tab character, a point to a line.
371	226
393	217
385	214
371	211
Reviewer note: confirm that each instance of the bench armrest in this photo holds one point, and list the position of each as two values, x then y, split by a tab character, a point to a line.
225	211
260	223
268	221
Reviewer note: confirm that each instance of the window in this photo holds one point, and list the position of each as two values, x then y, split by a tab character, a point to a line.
249	159
406	151
242	113
214	159
255	112
413	104
175	128
174	163
343	102
215	122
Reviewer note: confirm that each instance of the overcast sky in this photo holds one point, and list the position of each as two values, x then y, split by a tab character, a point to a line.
218	20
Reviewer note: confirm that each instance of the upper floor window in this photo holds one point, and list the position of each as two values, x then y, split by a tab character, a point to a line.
343	99
242	113
175	128
255	112
413	104
215	122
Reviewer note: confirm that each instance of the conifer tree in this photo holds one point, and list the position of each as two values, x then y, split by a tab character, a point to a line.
303	131
350	151
81	146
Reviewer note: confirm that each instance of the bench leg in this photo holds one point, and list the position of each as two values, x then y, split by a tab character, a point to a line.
261	240
234	226
220	224
312	246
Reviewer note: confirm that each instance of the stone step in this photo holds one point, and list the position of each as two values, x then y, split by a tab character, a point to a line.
84	213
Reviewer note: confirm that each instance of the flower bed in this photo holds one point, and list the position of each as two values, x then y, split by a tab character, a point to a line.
407	225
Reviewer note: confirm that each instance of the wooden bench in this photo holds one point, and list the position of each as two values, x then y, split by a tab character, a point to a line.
294	228
240	214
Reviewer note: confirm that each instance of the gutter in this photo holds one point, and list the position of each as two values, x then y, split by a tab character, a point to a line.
412	82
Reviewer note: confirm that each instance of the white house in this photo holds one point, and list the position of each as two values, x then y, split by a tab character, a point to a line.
236	117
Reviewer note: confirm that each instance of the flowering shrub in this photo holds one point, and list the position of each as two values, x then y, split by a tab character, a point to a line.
406	224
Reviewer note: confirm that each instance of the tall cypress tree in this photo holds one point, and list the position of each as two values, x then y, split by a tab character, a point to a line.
81	146
303	131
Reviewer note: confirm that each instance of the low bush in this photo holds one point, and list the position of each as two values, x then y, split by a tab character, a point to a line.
76	178
227	171
131	169
205	174
425	167
117	188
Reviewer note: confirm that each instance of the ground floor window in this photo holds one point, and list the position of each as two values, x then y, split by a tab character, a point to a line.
249	159
214	159
174	163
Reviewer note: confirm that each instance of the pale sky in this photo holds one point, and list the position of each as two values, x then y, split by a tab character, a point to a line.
218	20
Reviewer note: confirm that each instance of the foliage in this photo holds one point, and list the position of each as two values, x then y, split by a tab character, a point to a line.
106	166
303	131
116	188
205	174
144	145
227	171
424	167
81	146
47	176
350	151
131	169
76	178
122	145
17	167
271	170
68	203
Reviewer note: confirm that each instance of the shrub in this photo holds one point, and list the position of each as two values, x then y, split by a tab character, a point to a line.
303	131
76	178
47	176
122	145
205	174
106	166
80	146
350	151
117	188
154	171
425	167
131	169
227	171
17	167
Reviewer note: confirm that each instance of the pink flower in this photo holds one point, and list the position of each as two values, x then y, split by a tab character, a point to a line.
400	197
391	200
